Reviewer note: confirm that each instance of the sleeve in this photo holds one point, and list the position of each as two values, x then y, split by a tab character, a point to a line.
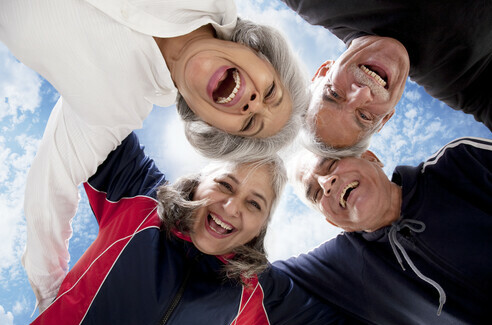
331	273
127	172
465	164
342	18
288	303
68	155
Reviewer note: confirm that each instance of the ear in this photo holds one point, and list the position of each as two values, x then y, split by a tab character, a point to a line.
323	69
386	119
370	156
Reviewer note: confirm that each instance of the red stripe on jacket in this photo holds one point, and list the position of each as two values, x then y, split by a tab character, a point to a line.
80	287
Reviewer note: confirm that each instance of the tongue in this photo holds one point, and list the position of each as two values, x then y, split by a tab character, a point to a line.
217	228
226	86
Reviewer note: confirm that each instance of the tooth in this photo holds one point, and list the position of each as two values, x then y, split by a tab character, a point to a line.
374	75
354	184
237	80
220	223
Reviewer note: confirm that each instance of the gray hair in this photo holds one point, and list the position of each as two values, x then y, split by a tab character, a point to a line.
312	143
176	210
214	143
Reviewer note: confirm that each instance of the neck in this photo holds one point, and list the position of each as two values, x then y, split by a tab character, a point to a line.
394	210
174	49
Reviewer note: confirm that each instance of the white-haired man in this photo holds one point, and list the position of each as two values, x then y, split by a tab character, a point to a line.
416	249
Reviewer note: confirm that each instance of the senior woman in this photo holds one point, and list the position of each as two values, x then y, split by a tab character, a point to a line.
186	255
111	61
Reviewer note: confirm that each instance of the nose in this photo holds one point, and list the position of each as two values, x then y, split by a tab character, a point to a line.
360	96
253	105
327	182
232	207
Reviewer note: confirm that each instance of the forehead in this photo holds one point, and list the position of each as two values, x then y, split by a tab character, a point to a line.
309	166
248	176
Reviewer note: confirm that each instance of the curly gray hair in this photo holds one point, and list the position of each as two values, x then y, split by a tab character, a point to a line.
214	143
177	210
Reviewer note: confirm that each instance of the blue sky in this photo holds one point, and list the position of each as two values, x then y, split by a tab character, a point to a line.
420	126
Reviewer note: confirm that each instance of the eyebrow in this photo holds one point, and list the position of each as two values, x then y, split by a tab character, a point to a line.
308	191
254	193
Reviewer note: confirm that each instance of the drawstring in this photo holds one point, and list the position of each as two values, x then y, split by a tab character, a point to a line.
415	226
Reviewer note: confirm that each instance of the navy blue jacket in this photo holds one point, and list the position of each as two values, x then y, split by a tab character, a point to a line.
451	193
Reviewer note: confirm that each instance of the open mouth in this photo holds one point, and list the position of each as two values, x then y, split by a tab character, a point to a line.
376	73
346	193
219	226
227	87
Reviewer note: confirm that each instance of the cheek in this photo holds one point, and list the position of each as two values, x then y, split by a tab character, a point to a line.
326	210
254	227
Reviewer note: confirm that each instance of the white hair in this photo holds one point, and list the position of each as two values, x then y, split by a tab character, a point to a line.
217	144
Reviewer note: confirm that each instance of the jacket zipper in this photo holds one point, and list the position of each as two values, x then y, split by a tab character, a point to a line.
177	298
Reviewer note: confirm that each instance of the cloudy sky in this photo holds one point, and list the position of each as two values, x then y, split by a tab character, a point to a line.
420	126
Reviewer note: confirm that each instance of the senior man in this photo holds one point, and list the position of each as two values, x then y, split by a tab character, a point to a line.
416	249
448	45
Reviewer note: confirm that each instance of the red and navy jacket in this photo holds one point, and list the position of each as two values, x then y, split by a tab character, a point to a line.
133	273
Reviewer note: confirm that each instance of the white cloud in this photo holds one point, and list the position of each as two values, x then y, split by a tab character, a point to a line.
20	306
6	318
181	158
296	229
19	88
314	44
412	95
411	114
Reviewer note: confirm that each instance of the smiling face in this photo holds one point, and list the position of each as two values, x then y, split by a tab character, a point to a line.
238	207
229	86
357	93
352	193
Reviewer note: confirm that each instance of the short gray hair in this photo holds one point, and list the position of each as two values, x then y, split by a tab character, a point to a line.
312	143
176	210
214	143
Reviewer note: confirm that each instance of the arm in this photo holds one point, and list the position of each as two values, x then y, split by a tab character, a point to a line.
331	273
69	154
288	303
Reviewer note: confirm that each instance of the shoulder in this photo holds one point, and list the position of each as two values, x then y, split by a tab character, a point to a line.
462	151
127	172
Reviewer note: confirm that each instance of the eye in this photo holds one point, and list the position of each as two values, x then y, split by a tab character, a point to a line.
249	124
329	94
333	94
255	204
332	165
225	185
316	196
271	91
364	116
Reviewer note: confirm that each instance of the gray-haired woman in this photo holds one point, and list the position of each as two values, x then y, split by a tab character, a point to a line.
193	254
113	60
